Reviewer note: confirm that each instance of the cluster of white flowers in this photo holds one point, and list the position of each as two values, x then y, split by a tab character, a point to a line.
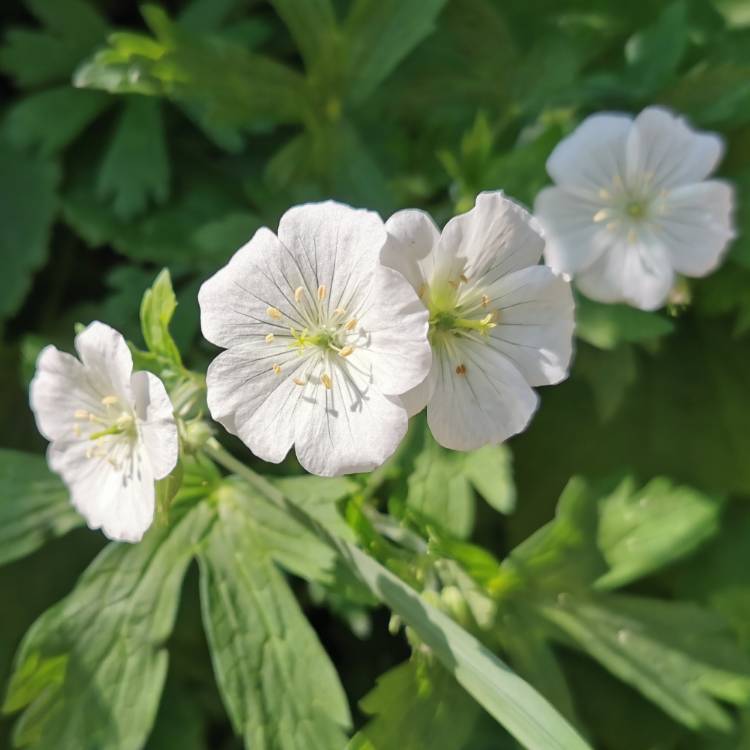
339	327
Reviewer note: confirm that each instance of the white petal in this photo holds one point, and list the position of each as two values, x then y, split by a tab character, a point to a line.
593	155
59	388
487	404
395	323
535	324
157	427
573	239
495	238
638	273
664	147
338	245
412	237
417	398
107	360
349	428
697	226
119	501
252	401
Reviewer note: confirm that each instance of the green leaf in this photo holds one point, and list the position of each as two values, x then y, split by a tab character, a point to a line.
313	25
438	490
34	505
678	655
490	471
641	531
28	205
414	706
50	120
610	373
91	669
71	29
135	169
606	326
279	687
380	34
511	700
157	309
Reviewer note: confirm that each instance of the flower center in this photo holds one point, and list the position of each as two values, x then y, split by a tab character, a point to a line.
114	419
635	209
454	314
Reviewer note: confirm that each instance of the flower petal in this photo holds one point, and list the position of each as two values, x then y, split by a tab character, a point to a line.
412	238
494	238
417	398
395	323
107	360
120	501
697	226
665	149
59	388
573	239
157	426
488	403
535	323
637	273
593	155
347	428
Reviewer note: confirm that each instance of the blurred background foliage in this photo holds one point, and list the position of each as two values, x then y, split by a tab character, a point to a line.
133	138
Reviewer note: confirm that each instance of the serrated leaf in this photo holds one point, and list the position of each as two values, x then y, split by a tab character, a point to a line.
280	689
157	309
490	471
34	505
416	705
641	531
90	670
50	120
28	205
135	170
380	34
606	326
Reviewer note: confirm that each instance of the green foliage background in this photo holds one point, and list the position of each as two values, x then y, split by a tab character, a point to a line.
132	139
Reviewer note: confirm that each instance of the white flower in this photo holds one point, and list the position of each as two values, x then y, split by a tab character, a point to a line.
499	323
112	431
321	339
632	206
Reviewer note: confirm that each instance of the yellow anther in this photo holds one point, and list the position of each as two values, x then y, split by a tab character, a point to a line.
422	289
339	312
485	300
269	338
276	368
321	292
299	381
351	325
110	400
274	312
325	378
601	215
81	414
461	369
346	351
298	294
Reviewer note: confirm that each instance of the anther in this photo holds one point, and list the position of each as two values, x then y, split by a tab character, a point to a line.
274	312
461	370
463	278
601	215
339	312
454	284
325	378
110	400
485	300
346	351
276	368
321	292
422	290
81	414
299	381
298	293
269	338
351	325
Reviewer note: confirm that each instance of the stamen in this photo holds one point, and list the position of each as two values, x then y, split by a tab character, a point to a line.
463	278
461	370
351	325
81	414
601	215
110	400
321	292
276	368
454	284
269	338
339	312
422	289
298	293
299	381
325	378
346	351
485	300
274	312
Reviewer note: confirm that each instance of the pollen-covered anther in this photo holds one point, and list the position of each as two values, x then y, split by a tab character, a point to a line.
461	369
299	381
269	338
276	368
351	325
339	312
298	294
110	400
321	292
601	215
422	289
81	414
346	351
325	378
485	300
274	312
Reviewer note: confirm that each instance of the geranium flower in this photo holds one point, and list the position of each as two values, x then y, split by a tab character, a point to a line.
112	431
499	323
321	339
632	205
